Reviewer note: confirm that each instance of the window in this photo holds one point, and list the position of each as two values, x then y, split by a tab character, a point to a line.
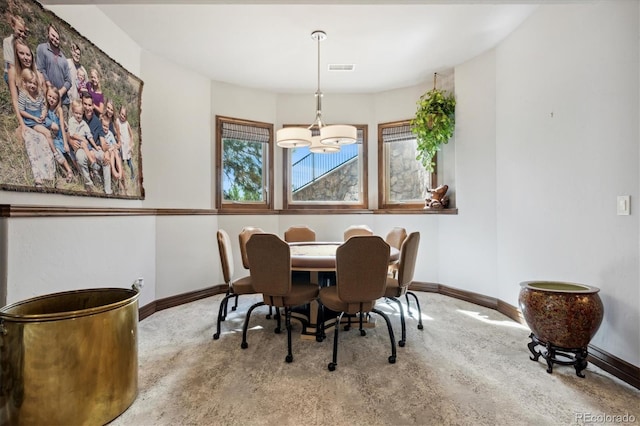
244	164
327	181
402	181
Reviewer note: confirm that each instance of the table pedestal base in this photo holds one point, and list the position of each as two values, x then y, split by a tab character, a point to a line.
557	355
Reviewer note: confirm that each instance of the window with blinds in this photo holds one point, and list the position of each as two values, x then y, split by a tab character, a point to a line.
326	180
402	180
244	164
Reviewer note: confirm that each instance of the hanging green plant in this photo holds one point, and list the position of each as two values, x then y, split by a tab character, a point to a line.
433	124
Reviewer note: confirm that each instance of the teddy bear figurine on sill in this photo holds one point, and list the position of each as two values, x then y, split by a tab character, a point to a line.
438	199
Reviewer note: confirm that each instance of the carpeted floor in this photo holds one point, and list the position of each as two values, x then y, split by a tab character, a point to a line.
469	366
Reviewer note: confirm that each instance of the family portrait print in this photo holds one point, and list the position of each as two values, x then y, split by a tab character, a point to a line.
69	114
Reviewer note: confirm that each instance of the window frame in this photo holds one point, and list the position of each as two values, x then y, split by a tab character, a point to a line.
383	196
267	167
326	205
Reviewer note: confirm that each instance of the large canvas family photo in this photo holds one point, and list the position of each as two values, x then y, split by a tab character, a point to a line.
69	114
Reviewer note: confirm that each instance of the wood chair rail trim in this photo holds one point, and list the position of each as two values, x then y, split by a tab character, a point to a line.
17	211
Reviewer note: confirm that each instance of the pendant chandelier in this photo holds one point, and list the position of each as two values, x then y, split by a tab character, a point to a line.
330	136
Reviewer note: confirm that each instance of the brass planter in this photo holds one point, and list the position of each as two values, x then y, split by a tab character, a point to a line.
69	358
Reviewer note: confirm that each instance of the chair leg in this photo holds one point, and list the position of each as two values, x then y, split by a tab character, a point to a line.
278	317
362	332
235	305
287	321
420	327
403	326
245	326
348	326
320	336
223	306
406	296
224	302
270	312
392	358
332	365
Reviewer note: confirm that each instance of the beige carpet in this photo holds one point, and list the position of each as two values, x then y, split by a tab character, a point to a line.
469	366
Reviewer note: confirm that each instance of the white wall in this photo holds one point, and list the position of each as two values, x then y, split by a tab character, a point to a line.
467	242
176	135
47	256
566	144
186	254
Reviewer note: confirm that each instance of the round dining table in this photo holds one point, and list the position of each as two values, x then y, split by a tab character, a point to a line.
319	257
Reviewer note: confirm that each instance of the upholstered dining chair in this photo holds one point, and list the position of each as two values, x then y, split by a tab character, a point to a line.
361	270
400	286
234	288
243	237
270	266
354	230
395	238
299	233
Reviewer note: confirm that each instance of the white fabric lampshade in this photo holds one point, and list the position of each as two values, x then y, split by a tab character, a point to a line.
293	137
319	148
338	134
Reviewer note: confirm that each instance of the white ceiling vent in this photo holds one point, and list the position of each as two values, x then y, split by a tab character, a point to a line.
342	67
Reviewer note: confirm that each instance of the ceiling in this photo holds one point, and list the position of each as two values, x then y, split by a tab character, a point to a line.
269	45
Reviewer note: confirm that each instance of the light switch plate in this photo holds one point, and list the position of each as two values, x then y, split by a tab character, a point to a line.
624	205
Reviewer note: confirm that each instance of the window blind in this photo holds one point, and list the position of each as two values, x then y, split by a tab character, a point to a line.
397	134
244	133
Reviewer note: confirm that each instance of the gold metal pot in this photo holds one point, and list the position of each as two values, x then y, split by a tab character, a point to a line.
69	358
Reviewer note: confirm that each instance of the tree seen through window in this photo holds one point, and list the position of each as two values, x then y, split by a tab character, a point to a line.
242	170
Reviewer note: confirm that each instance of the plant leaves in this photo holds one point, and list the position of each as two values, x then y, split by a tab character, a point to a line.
433	124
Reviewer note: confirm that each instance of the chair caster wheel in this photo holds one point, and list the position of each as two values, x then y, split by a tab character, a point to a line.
223	318
347	328
392	359
277	330
401	343
216	336
244	345
331	366
420	327
233	308
268	316
319	339
289	358
363	333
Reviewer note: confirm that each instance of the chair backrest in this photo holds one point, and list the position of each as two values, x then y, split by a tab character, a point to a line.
361	268
354	230
408	256
243	237
270	261
226	255
299	233
396	237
